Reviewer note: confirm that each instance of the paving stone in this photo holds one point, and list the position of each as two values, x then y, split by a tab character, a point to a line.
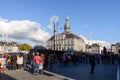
71	72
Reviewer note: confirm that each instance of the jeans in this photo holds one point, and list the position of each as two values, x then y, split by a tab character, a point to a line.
36	69
20	66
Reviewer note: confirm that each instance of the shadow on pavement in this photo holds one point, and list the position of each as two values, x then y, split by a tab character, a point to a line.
6	77
48	74
56	76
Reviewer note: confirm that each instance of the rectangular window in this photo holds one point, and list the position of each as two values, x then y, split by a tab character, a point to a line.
63	42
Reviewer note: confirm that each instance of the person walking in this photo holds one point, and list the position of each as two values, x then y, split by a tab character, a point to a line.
9	62
37	61
92	62
50	61
20	62
119	56
14	60
42	63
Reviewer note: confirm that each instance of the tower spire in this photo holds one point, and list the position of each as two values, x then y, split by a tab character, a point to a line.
67	25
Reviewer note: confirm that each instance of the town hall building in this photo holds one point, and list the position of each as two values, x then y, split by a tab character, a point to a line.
66	40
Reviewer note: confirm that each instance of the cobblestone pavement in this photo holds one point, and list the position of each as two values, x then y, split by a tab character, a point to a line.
25	75
81	72
70	72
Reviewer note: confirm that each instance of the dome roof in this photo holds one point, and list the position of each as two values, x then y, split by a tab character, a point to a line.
67	25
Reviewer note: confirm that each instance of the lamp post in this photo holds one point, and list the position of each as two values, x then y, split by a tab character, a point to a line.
89	36
54	21
88	45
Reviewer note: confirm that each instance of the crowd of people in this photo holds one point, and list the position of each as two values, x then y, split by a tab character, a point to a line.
15	61
39	61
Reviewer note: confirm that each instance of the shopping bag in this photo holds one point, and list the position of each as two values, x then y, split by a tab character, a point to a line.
41	66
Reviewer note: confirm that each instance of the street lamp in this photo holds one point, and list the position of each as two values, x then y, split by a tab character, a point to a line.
89	36
54	20
88	45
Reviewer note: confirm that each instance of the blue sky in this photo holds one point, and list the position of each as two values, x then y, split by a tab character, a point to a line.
99	17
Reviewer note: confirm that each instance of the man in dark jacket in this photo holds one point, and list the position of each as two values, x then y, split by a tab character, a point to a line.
14	60
92	62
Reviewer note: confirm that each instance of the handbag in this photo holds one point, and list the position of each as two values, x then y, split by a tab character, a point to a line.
41	66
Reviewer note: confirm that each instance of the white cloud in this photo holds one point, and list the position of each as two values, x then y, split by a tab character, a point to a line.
23	29
100	42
